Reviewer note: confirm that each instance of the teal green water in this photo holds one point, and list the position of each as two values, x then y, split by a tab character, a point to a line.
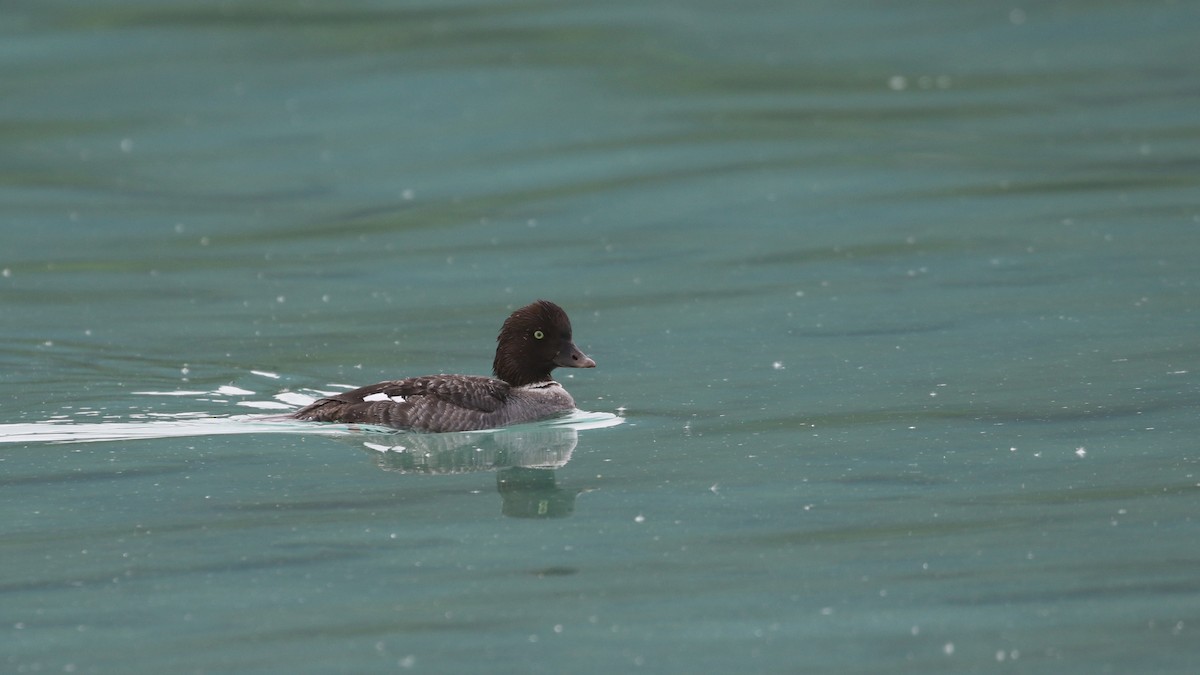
894	307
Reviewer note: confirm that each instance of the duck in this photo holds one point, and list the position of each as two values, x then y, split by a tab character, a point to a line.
533	341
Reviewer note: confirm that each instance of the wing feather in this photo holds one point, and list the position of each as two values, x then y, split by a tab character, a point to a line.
429	403
484	394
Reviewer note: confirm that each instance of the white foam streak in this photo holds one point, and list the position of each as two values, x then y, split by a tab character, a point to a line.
184	426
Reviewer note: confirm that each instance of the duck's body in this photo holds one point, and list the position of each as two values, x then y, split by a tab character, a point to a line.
442	403
533	341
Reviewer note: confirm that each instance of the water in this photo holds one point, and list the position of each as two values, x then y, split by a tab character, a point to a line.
893	306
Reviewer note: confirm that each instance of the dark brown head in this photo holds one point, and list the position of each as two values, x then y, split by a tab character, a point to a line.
534	341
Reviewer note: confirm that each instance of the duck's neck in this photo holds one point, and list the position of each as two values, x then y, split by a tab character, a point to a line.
518	377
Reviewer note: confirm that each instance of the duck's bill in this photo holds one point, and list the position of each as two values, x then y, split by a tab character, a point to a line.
571	357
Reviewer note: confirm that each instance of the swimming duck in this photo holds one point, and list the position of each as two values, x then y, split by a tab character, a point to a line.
533	341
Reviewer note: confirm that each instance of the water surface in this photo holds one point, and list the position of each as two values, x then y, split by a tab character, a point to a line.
894	304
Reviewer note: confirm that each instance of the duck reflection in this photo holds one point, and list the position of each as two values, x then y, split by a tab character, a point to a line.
532	493
524	461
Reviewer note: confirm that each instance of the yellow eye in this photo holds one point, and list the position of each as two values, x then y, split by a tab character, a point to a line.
538	335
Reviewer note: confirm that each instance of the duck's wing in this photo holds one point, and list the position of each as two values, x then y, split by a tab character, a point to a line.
428	403
484	394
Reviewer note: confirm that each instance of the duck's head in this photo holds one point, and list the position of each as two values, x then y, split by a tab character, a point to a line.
533	341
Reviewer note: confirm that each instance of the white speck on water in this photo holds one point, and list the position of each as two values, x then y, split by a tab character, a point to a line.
777	365
639	518
6	273
263	373
408	194
897	83
948	648
1081	451
126	145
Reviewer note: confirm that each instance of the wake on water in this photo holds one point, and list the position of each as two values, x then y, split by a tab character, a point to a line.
71	428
